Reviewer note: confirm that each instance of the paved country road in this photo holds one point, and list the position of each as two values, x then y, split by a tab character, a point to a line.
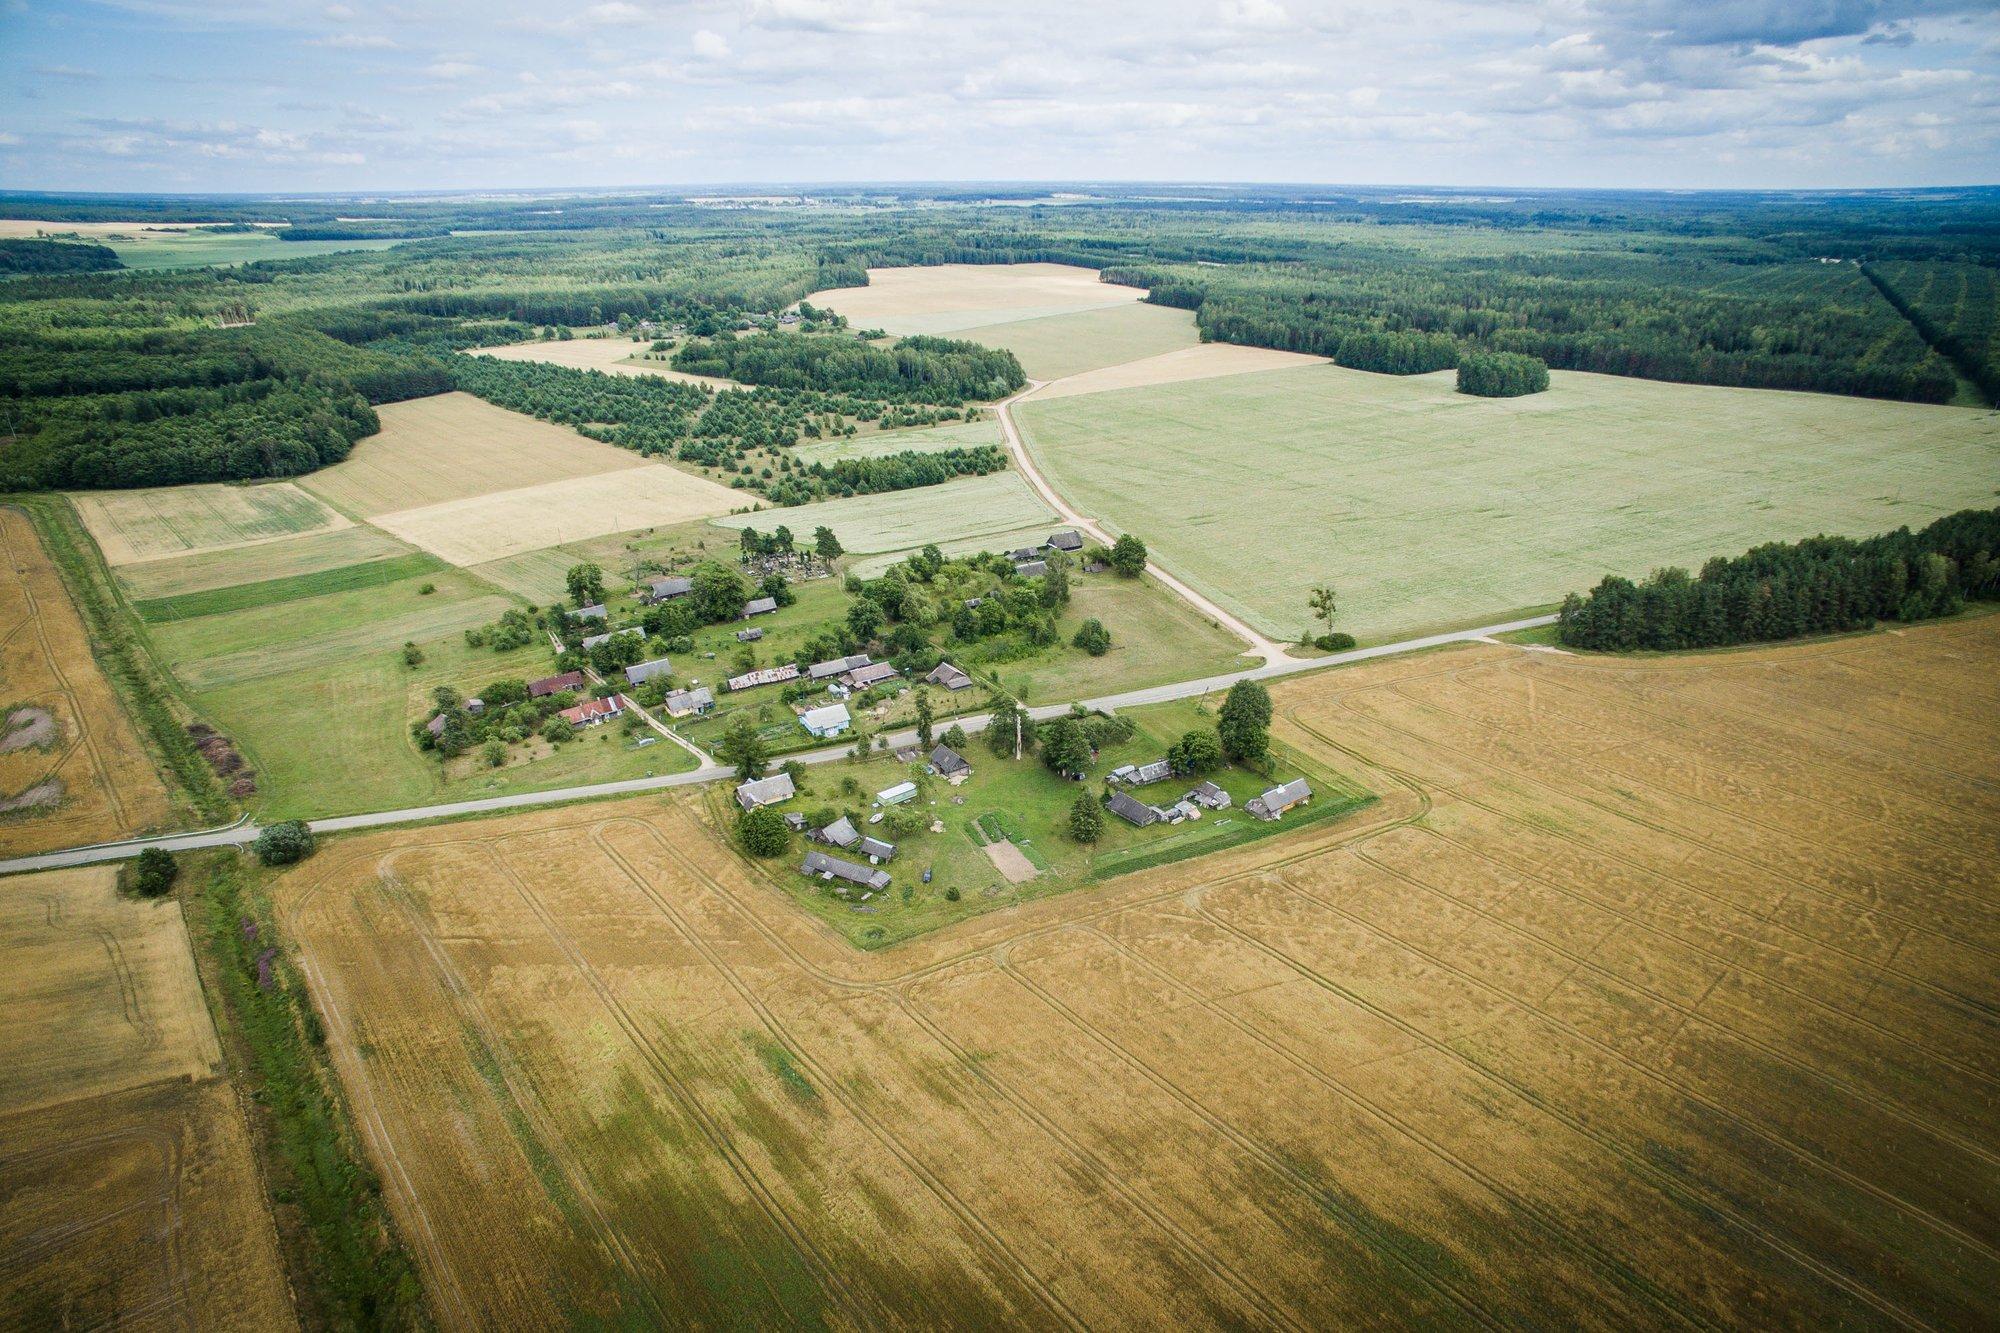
243	831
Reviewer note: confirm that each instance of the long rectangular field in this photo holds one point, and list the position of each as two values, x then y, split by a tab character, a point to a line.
1429	509
1651	994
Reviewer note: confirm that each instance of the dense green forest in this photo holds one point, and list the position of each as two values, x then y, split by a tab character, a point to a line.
269	368
1823	585
918	369
34	255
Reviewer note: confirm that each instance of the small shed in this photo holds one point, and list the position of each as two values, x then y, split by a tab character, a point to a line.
840	833
876	850
949	763
949	676
595	611
759	606
896	795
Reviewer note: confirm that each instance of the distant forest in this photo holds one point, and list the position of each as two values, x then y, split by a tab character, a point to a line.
122	378
35	255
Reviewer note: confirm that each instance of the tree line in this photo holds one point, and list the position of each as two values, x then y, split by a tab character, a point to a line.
35	255
1822	585
931	370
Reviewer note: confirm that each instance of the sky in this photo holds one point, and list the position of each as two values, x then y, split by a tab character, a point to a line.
359	95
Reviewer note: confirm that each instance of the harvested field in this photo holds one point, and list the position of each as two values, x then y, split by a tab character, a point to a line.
134	526
127	1190
970	507
180	575
1058	345
453	447
490	527
946	298
1653	993
107	785
1205	361
1430	509
613	356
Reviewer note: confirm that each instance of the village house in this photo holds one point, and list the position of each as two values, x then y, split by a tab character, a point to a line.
1209	796
641	672
595	611
1025	554
948	763
760	792
1279	799
547	685
826	722
1032	569
593	711
840	833
776	675
949	676
596	639
822	866
683	702
836	666
759	606
1134	812
1138	775
873	674
1069	539
666	589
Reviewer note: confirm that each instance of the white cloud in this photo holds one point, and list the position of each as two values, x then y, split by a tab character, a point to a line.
709	44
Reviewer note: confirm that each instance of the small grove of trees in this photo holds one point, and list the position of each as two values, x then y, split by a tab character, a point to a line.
1128	556
153	872
1823	585
1501	374
1092	637
1195	753
1243	725
1066	750
762	832
283	844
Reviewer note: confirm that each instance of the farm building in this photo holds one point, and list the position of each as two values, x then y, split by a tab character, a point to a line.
876	850
749	635
949	763
436	725
837	666
666	589
1134	812
776	675
1069	539
759	606
873	674
1025	554
760	792
683	702
949	676
596	639
641	672
593	711
1138	775
547	685
595	611
1209	796
832	867
840	833
1032	569
1279	799
897	794
828	721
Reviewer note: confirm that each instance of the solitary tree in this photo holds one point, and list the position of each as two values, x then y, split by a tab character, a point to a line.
1128	556
1010	731
1243	725
154	872
826	544
586	584
1065	749
1195	753
763	832
924	716
1086	818
954	736
282	844
719	592
1322	603
742	746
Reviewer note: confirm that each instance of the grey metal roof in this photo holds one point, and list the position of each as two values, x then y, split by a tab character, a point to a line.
641	672
819	863
1032	569
758	606
1131	810
840	833
948	761
1069	539
595	639
765	791
875	847
595	611
672	587
835	666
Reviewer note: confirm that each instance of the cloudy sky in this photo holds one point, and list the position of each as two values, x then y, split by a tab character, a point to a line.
261	95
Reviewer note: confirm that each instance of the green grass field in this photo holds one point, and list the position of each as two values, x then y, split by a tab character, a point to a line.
871	443
269	592
904	520
306	554
1429	509
193	249
1058	345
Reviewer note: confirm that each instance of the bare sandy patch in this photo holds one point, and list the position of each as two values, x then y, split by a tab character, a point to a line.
490	527
1008	860
1206	362
28	728
942	298
610	355
168	521
454	446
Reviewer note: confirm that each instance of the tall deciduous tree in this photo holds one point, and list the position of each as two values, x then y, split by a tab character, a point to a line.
1243	725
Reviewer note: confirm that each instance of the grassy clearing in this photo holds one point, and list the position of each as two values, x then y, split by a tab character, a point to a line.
946	298
246	596
970	507
1058	345
133	526
196	249
454	446
178	575
1429	509
873	443
1204	362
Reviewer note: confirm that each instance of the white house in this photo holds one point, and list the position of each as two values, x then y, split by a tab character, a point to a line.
828	721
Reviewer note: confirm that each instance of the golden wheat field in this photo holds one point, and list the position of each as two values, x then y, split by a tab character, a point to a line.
1652	993
72	770
128	1196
